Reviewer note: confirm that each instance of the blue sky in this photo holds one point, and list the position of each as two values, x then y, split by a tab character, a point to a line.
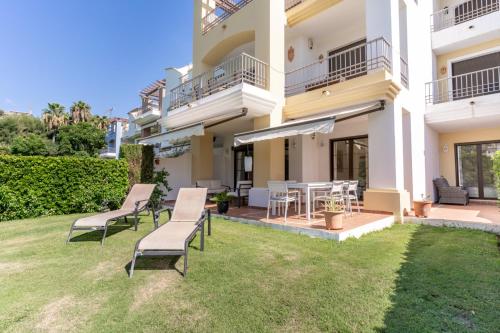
100	51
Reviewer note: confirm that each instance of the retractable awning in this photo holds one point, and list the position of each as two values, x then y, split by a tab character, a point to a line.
176	135
324	125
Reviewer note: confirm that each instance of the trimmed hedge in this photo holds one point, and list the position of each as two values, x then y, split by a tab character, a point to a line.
140	160
32	186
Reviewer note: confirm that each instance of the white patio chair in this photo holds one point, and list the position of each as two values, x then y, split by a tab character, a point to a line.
297	193
352	194
336	192
278	194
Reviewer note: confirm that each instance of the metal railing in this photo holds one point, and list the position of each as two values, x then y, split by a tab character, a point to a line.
289	4
405	74
462	12
339	67
148	108
221	13
479	83
240	69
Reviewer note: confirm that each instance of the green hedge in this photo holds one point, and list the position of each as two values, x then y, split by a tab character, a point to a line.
140	160
32	186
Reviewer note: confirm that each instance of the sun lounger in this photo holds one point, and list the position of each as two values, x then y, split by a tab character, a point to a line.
173	238
137	201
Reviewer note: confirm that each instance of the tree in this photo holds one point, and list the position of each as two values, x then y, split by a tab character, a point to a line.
80	112
82	139
2	112
32	145
54	116
100	122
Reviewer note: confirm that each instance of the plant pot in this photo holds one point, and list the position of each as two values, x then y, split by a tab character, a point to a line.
334	220
222	207
422	208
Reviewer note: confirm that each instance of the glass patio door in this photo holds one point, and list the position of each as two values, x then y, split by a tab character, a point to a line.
239	163
349	161
475	169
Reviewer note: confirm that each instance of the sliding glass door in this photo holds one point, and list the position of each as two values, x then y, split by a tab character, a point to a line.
474	166
349	160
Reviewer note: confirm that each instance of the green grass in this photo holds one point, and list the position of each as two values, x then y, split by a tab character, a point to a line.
405	279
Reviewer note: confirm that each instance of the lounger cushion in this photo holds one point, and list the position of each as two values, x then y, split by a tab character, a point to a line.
189	205
139	192
100	220
170	237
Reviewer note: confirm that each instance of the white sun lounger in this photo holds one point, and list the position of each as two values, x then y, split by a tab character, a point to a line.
173	237
137	200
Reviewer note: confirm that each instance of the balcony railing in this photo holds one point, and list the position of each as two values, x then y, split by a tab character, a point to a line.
463	12
480	83
221	13
148	108
289	4
240	69
404	74
340	66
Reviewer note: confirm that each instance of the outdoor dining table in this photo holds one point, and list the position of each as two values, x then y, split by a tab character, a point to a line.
307	188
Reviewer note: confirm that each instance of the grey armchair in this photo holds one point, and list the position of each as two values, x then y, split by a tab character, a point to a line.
450	194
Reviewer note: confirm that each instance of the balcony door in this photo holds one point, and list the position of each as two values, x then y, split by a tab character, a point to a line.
476	77
349	160
474	168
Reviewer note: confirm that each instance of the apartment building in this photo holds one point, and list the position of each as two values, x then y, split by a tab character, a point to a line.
328	89
114	135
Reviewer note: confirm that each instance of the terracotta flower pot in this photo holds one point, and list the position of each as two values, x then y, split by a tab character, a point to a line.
422	208
334	220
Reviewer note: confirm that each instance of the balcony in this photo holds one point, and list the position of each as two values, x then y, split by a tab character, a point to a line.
474	84
222	11
235	71
464	25
359	74
461	13
464	101
340	67
240	82
148	114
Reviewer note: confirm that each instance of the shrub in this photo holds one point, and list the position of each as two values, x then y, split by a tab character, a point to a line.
12	126
140	160
35	186
32	145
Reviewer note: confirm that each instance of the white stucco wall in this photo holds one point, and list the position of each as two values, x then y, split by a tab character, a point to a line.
180	173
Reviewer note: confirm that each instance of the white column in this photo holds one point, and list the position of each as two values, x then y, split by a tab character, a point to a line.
382	20
385	135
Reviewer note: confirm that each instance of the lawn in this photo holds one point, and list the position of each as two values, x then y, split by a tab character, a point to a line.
250	279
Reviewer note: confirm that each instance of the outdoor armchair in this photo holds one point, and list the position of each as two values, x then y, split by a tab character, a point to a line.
241	190
450	194
137	201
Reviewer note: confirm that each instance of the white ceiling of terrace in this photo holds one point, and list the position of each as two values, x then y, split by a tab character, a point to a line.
339	17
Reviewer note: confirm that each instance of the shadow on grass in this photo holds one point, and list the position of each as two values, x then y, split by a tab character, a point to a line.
96	235
154	264
448	283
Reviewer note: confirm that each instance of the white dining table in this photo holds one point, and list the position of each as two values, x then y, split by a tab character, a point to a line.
307	187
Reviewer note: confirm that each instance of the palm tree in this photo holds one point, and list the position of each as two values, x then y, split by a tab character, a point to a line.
101	122
54	116
80	112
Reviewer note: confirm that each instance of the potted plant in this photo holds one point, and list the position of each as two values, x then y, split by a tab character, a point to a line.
222	200
422	207
334	215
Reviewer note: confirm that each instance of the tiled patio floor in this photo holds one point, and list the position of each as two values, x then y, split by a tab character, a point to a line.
479	216
354	226
474	212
